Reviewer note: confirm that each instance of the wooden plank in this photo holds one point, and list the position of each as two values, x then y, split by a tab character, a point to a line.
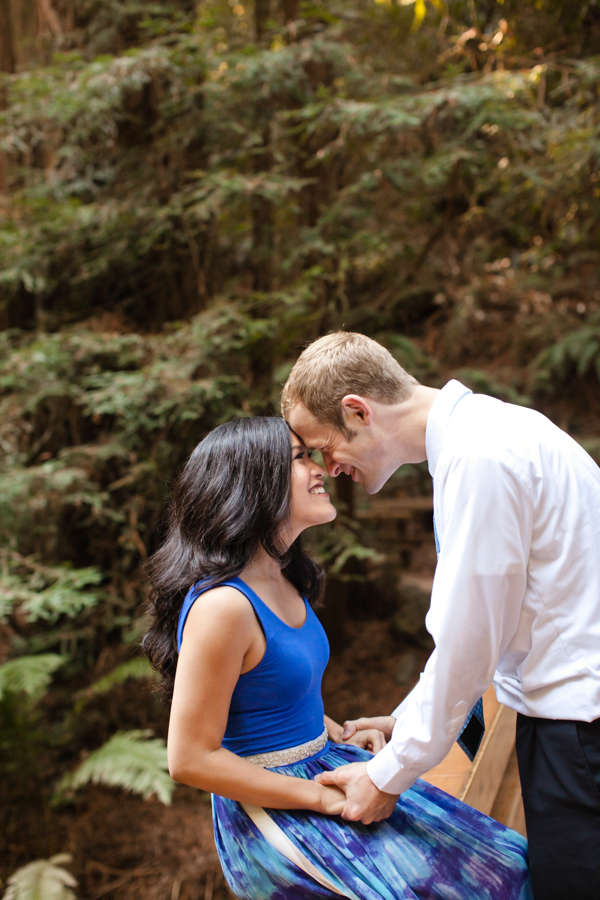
396	508
387	512
508	805
491	761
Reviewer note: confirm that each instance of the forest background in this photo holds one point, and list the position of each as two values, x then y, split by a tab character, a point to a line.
189	192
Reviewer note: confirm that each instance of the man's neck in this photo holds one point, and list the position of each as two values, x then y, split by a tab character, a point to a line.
406	425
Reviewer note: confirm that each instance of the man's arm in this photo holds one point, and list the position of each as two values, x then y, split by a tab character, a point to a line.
485	527
480	580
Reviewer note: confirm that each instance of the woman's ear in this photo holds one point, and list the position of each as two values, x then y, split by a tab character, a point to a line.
357	411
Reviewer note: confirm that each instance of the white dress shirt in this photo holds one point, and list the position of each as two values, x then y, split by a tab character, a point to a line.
516	593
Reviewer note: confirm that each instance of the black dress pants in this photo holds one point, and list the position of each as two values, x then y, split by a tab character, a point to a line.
559	765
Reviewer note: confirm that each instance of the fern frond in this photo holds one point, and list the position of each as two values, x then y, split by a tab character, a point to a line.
577	351
133	668
29	674
129	761
44	879
46	592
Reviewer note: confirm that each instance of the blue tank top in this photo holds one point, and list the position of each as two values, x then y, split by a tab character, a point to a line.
277	704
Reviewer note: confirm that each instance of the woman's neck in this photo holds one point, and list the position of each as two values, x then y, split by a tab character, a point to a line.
264	568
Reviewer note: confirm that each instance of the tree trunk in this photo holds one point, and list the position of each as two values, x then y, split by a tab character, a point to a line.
262	10
7	47
48	21
289	10
263	233
344	488
262	212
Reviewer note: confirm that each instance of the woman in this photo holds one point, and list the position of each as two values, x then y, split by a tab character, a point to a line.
233	592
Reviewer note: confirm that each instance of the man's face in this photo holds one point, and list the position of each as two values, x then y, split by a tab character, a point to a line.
360	457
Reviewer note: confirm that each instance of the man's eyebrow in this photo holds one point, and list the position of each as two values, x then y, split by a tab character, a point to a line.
298	447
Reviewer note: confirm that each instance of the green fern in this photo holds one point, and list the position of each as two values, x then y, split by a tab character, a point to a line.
578	351
46	592
129	761
44	879
133	668
29	674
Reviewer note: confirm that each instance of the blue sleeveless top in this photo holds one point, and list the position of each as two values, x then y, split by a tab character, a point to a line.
277	704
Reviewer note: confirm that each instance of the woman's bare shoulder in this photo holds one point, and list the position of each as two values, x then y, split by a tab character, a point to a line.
221	606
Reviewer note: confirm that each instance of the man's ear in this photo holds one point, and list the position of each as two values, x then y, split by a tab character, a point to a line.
357	411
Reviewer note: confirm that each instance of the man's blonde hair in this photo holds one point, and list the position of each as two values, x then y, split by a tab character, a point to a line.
342	363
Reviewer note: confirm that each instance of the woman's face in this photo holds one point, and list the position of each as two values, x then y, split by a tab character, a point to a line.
311	504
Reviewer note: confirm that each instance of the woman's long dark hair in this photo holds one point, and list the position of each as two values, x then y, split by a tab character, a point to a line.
232	497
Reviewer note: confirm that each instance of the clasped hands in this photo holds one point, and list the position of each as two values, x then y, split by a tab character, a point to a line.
362	800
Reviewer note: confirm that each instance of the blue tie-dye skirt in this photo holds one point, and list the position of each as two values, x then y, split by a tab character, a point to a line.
433	847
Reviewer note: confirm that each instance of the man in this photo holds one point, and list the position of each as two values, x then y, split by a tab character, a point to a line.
516	594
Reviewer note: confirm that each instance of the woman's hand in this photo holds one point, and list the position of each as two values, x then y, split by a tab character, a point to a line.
370	734
332	800
384	724
371	739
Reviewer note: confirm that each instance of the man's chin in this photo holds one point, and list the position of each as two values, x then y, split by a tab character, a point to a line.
372	486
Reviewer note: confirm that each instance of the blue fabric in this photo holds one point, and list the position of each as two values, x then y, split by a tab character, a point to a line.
475	717
433	847
277	704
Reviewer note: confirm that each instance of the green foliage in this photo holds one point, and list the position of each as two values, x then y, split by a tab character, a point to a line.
133	668
129	761
44	879
577	352
29	675
46	592
363	183
334	547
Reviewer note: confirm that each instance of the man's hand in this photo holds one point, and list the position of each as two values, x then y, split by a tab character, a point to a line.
370	739
384	724
364	802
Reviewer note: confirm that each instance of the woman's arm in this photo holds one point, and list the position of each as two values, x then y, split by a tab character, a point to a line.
335	731
369	739
222	638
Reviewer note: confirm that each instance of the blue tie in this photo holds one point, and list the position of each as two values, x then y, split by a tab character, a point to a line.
472	731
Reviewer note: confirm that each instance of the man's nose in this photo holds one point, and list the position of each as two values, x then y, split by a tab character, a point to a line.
331	465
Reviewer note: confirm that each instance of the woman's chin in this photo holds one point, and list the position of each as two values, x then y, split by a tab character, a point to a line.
325	516
328	515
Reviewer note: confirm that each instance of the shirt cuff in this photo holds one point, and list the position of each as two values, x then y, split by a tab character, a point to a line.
387	774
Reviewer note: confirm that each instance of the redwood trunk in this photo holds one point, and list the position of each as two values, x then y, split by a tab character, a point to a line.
262	10
289	9
7	47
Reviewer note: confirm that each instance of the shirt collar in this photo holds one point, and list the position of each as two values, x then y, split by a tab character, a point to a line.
438	418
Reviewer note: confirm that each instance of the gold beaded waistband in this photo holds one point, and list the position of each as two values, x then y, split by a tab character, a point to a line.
291	755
